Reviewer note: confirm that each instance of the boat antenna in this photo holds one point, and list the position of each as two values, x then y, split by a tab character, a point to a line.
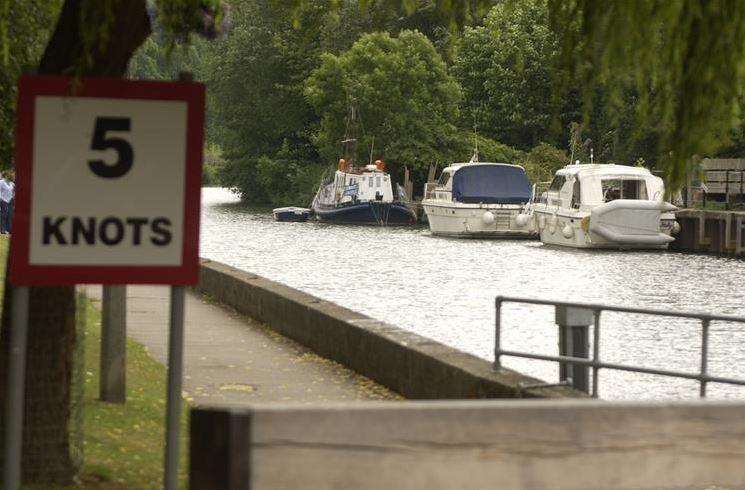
475	157
372	145
592	156
571	155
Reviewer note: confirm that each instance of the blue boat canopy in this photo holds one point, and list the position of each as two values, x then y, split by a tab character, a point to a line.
492	184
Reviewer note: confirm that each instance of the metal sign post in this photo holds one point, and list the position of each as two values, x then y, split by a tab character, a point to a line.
14	396
109	175
175	377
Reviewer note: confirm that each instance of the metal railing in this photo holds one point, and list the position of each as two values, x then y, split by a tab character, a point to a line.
594	361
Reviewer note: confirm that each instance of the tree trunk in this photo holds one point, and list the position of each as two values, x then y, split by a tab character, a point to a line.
47	455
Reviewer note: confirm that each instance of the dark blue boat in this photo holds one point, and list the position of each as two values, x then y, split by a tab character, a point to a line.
362	195
368	212
291	214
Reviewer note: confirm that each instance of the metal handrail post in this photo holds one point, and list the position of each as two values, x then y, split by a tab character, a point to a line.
596	352
497	331
704	355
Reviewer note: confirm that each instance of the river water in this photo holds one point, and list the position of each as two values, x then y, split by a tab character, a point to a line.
444	289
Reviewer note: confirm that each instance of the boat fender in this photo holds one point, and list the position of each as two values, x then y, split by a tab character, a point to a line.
676	227
567	231
552	224
585	224
541	221
522	219
488	218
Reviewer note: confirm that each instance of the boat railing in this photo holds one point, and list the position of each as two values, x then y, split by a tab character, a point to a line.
429	189
575	359
539	191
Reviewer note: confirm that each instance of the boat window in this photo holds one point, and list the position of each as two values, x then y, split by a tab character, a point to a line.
576	201
371	181
377	181
557	183
624	189
444	178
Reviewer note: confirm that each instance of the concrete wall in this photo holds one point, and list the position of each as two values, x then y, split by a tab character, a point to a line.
494	444
717	232
412	365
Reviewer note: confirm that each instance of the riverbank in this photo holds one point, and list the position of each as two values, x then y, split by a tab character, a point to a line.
411	365
234	359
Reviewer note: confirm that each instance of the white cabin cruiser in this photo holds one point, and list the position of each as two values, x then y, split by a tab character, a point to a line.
605	206
477	199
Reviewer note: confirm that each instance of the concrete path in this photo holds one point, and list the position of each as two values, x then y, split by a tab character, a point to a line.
229	358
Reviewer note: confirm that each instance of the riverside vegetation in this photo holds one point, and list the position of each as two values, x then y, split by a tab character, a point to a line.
425	78
282	83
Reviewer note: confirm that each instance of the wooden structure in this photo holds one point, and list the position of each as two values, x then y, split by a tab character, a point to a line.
469	444
718	232
724	178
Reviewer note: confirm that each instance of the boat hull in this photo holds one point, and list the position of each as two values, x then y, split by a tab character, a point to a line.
468	221
367	213
573	230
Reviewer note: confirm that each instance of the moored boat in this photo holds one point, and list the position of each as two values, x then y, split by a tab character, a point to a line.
605	206
478	199
291	213
362	195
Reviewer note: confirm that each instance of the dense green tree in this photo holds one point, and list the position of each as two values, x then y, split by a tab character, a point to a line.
256	82
686	59
25	26
506	70
400	87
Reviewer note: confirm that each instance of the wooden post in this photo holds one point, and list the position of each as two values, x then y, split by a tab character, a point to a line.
408	184
219	449
574	326
113	386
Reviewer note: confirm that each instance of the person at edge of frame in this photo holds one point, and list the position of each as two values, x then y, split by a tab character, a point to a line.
6	195
11	204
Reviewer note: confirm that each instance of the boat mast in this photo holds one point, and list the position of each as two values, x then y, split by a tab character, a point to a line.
349	143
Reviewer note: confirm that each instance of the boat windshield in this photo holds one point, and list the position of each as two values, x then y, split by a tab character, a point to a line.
494	184
444	179
624	189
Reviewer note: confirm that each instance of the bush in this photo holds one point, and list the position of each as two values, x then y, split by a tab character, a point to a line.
542	162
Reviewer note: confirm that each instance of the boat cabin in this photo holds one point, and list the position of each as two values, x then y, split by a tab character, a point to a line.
370	184
483	183
576	186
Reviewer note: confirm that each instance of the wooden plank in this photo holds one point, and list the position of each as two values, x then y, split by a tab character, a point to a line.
722	176
723	164
219	453
721	188
495	444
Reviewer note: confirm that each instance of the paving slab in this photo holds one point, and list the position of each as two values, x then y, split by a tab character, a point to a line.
229	358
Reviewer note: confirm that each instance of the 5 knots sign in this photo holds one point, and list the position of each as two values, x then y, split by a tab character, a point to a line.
108	181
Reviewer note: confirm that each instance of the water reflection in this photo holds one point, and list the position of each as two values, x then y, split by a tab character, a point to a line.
445	288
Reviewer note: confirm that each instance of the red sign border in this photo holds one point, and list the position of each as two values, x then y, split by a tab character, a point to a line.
31	86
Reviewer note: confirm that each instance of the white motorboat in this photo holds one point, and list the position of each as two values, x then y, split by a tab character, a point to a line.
478	199
605	206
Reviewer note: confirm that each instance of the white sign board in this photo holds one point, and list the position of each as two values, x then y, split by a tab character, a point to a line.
108	182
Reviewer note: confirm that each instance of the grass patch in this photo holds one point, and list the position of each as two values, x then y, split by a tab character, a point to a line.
123	445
